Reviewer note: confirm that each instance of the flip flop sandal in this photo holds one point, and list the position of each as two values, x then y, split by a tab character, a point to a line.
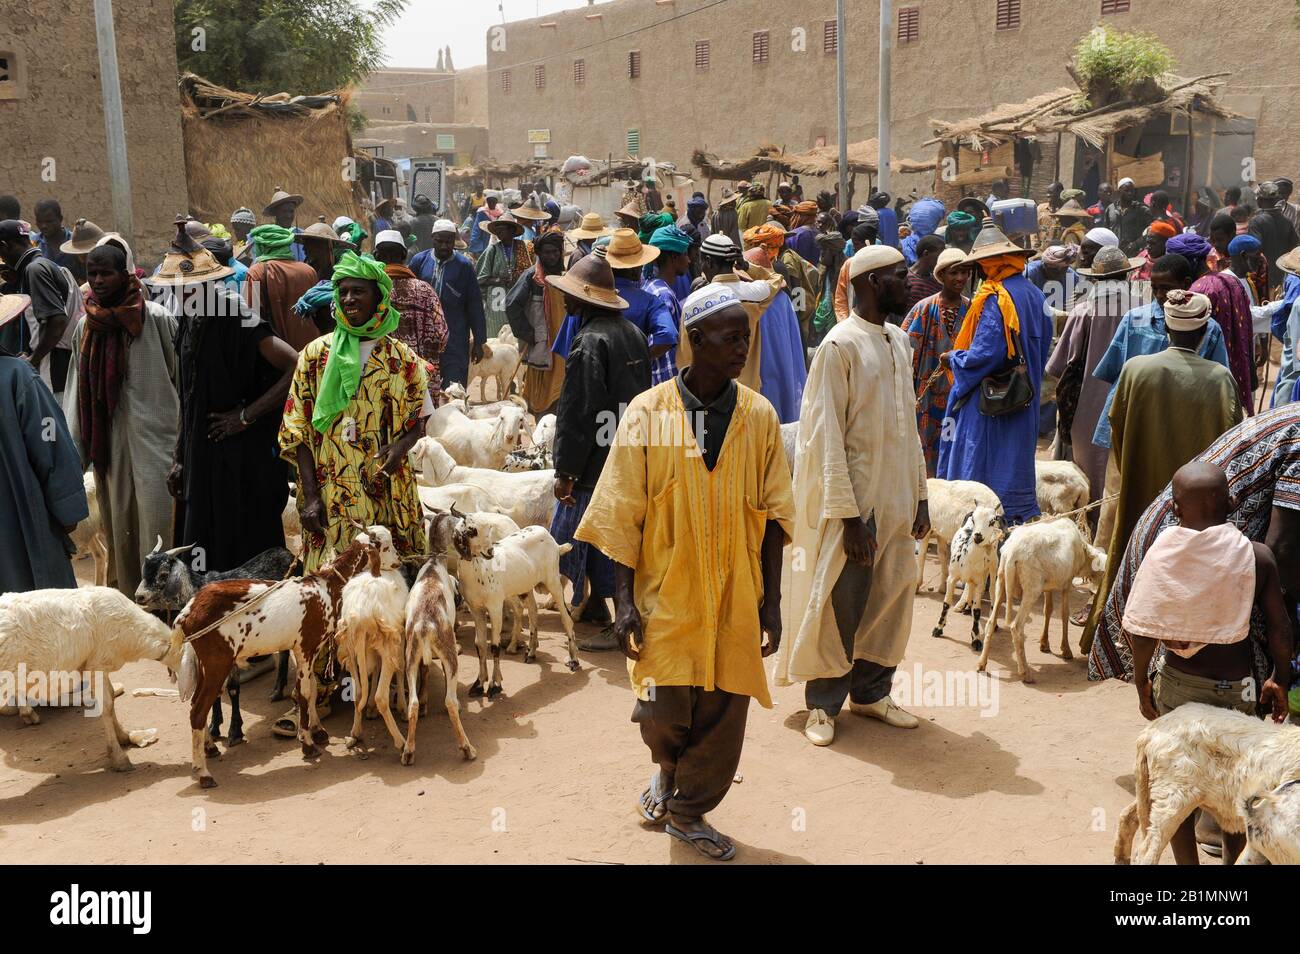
286	727
652	806
697	840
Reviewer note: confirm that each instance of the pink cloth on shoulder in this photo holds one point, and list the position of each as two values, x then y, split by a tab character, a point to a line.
1194	588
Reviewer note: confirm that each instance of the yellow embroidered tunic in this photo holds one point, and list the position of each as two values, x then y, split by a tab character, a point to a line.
391	393
693	536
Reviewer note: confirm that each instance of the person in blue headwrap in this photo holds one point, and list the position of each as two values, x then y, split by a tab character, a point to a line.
924	218
888	229
672	264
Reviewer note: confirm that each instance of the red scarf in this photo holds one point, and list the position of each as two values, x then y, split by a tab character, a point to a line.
101	366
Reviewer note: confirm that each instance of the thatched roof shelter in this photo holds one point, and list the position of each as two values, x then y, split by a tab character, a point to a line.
241	147
1058	111
864	157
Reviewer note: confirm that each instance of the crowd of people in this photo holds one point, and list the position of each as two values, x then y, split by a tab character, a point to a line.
901	341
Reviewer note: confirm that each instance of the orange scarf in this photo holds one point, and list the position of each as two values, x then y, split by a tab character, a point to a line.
996	270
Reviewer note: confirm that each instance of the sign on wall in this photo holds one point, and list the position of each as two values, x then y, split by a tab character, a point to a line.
446	142
536	136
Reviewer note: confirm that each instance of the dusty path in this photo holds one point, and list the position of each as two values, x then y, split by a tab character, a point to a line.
1041	778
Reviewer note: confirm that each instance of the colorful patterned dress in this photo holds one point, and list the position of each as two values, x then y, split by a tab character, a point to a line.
422	327
391	393
933	328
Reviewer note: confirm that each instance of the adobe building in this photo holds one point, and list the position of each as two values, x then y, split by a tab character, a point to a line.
661	78
51	111
419	112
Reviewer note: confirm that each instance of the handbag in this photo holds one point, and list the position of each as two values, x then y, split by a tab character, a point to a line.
1007	391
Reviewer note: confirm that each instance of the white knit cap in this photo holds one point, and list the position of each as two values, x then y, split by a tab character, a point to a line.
341	221
1123	182
1102	237
1186	310
444	225
872	257
390	237
712	298
947	259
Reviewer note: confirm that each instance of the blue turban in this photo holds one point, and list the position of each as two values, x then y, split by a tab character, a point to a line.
670	238
924	217
1189	245
1243	244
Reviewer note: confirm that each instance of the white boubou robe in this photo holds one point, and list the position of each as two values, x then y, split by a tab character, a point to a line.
858	454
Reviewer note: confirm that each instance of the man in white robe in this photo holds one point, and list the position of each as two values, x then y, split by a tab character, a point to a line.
859	486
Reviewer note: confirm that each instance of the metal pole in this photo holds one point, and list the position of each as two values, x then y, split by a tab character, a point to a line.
882	122
843	114
114	127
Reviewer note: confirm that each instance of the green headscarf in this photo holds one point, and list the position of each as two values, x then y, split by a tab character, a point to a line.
353	233
271	243
343	369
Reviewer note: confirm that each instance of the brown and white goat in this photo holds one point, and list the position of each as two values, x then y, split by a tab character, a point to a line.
299	616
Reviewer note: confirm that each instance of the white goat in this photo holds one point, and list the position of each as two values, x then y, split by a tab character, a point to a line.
949	503
490	575
88	537
66	636
500	361
372	619
485	412
1041	558
974	560
477	443
527	497
1240	769
430	634
464	497
1061	487
544	432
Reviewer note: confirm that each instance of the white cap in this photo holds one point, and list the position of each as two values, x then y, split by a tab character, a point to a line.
1123	182
1102	237
390	237
444	225
1186	310
713	297
341	221
871	257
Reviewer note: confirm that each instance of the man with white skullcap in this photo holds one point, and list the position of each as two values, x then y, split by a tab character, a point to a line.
1128	217
1166	409
860	503
452	276
693	506
1094	241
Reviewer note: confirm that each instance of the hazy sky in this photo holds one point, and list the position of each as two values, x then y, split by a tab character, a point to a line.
429	25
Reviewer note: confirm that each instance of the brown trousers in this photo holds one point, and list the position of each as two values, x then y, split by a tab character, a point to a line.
695	737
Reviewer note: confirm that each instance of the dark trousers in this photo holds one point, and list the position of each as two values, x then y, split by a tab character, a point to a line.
866	682
695	737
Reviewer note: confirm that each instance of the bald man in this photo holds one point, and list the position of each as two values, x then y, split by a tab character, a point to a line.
1192	596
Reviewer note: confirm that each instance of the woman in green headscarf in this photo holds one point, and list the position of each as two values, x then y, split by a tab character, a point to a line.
356	407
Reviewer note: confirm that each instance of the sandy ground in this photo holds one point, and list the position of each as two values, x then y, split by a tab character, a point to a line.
1017	774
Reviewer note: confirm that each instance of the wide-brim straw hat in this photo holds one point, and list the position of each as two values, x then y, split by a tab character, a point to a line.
84	236
728	199
626	250
592	226
1290	262
992	242
187	262
386	206
590	280
279	198
1072	210
1133	264
971	201
632	210
531	210
505	218
320	232
11	306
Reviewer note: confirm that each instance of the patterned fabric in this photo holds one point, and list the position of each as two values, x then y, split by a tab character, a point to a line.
664	367
422	327
389	396
1230	307
932	329
1261	457
584	562
497	274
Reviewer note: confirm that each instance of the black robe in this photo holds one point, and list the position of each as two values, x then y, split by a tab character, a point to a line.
234	490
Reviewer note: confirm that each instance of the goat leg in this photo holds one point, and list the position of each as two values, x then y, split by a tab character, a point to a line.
281	676
236	736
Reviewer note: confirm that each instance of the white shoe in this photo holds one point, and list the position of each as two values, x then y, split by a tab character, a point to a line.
887	712
820	729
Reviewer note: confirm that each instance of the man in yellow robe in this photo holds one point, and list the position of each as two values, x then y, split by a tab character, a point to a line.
694	506
860	501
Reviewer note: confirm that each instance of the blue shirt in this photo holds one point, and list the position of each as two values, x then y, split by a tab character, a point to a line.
1142	331
645	309
458	290
664	367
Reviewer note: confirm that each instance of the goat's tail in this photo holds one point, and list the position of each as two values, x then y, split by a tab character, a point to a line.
1138	815
188	675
